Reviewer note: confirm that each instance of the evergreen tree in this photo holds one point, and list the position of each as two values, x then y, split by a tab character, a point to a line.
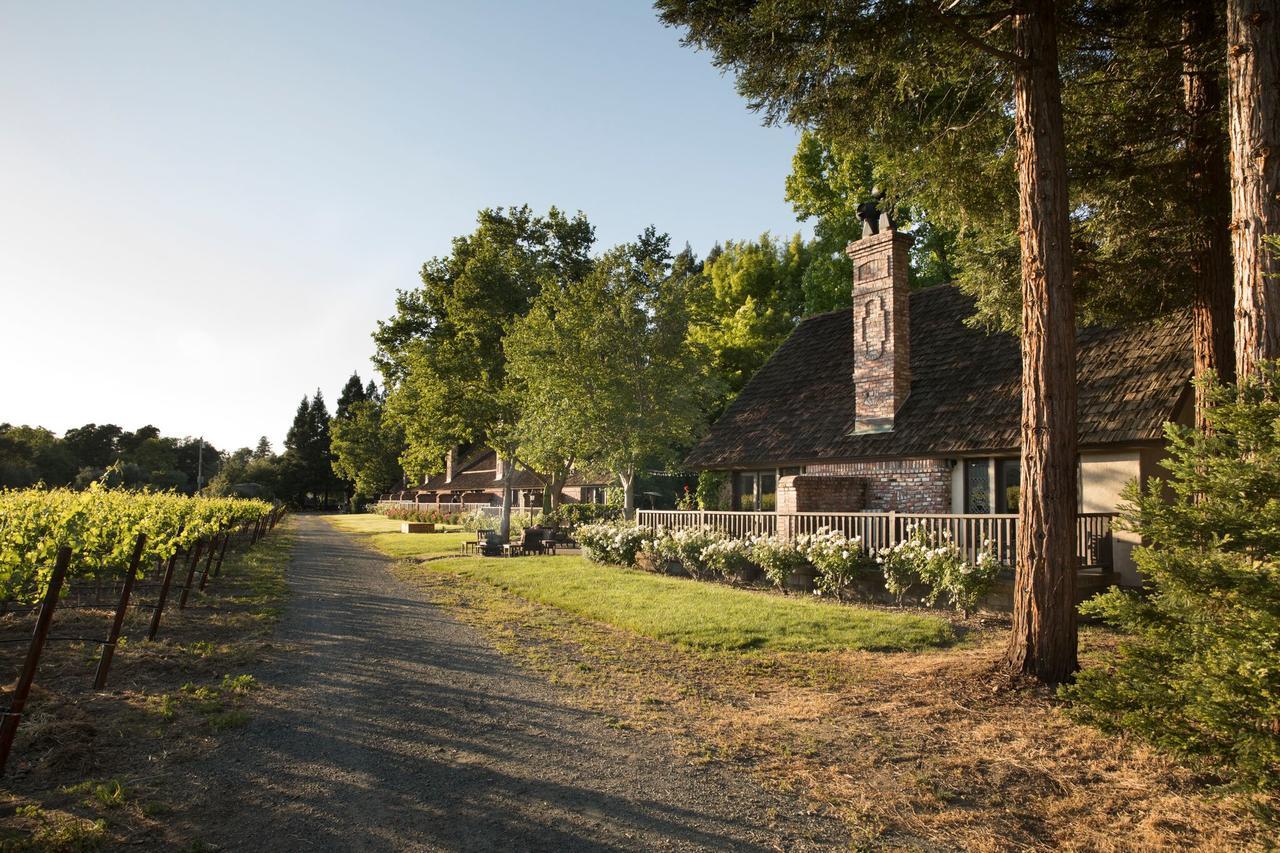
1253	94
352	392
1195	670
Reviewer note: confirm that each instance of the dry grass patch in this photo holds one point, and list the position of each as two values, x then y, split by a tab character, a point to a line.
913	750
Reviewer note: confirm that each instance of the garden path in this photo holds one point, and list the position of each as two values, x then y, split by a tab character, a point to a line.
390	725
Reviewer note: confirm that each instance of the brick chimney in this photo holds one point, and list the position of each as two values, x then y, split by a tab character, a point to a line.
449	460
881	326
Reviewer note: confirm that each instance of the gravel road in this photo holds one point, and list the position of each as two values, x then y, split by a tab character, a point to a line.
389	725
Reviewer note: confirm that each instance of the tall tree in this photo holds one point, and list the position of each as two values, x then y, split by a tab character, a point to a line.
307	462
931	92
366	451
1213	332
353	392
441	355
1043	642
744	304
1253	96
612	348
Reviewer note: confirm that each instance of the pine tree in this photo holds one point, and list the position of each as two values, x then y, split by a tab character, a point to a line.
1195	670
1253	59
352	392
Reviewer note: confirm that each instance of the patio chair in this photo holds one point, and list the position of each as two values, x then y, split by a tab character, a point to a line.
491	546
531	542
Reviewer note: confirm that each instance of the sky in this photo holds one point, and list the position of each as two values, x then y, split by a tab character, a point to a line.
206	207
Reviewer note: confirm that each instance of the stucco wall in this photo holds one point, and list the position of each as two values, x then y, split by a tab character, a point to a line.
1103	477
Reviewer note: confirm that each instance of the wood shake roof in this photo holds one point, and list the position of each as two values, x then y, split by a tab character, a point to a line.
799	407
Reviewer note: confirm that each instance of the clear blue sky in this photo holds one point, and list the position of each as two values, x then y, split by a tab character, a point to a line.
205	207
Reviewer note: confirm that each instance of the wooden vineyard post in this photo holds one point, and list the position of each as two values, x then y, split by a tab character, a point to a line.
164	594
191	573
22	689
109	648
204	575
222	552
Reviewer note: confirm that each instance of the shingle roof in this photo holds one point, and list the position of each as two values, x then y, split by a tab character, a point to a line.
964	390
478	472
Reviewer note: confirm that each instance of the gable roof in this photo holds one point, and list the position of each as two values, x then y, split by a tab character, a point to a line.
965	390
479	471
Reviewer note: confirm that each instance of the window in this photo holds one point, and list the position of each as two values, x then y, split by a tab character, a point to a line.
592	494
1008	479
977	485
755	491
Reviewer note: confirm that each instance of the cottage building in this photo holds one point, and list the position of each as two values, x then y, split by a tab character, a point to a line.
476	478
897	405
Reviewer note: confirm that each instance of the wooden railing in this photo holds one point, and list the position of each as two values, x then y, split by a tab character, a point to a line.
973	533
464	508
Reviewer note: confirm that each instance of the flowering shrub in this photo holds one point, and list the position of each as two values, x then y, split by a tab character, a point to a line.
727	557
935	560
426	512
481	520
778	557
969	582
686	546
837	558
615	542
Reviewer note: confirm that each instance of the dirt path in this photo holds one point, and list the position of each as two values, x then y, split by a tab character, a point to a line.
390	725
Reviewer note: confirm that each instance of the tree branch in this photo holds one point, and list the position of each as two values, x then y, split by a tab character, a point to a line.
971	39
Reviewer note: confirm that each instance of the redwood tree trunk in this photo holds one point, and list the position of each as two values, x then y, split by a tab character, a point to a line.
1213	336
1043	641
1253	93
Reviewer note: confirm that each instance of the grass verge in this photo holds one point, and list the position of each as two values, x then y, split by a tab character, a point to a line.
94	770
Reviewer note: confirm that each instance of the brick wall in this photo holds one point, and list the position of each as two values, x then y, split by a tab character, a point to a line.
902	485
821	493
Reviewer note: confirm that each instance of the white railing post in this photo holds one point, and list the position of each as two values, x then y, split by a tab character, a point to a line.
892	534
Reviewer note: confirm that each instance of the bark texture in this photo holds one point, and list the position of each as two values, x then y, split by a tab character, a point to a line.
1253	99
1213	335
1043	641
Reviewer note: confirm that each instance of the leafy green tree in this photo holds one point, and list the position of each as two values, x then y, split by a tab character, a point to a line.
366	451
93	445
442	353
29	455
263	449
743	305
611	350
826	185
1195	670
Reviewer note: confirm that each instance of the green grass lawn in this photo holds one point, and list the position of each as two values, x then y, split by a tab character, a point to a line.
700	615
384	534
693	614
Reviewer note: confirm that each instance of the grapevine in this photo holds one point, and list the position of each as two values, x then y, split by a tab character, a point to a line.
101	525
